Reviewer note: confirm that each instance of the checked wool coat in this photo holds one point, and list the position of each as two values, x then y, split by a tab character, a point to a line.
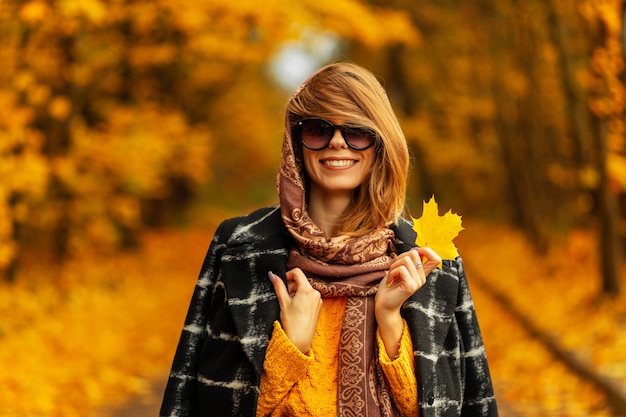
217	367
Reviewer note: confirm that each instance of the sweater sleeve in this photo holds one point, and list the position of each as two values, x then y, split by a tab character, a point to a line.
400	373
284	365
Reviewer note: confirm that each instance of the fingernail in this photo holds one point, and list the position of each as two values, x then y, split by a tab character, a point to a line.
271	276
390	282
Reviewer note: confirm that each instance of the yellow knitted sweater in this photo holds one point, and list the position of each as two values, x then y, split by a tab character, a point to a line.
293	383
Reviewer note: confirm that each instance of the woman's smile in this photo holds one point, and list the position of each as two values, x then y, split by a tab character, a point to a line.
338	163
337	169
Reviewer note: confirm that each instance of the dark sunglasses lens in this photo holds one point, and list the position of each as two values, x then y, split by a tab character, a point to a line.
359	138
315	133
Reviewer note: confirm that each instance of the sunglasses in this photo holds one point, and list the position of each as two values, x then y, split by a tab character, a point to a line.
316	133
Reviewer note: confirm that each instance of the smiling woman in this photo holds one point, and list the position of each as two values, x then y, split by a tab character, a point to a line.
334	170
353	318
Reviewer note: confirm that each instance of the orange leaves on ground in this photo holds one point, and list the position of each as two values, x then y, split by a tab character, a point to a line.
559	292
96	331
437	232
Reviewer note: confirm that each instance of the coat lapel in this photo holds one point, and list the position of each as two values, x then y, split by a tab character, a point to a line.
258	245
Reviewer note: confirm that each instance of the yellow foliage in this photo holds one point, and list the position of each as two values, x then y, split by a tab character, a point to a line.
13	171
23	79
7	246
34	11
126	161
93	10
437	232
372	27
150	55
60	107
118	93
608	95
24	172
38	94
616	167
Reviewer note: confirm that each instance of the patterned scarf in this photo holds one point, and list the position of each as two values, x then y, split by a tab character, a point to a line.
337	267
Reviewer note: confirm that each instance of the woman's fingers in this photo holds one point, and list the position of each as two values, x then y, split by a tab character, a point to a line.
300	305
411	263
414	265
297	277
411	257
432	260
281	290
401	275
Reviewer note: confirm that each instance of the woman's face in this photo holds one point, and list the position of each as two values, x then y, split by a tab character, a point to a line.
337	170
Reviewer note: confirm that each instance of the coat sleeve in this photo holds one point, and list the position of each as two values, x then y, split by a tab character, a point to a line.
478	398
179	398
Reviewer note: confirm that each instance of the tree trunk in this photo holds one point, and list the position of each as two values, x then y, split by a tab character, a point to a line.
59	142
517	122
575	105
607	212
608	216
520	165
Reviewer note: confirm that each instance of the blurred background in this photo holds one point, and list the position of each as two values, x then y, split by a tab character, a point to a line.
130	128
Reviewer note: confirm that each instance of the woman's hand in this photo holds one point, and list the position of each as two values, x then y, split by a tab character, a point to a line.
406	275
300	306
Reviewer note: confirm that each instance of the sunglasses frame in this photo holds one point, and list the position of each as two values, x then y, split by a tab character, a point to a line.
297	128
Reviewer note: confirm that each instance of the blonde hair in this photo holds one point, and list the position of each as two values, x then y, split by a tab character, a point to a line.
352	93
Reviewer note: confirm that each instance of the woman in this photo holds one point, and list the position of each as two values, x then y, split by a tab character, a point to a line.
321	306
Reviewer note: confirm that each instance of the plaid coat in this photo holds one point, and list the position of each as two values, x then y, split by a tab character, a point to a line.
217	367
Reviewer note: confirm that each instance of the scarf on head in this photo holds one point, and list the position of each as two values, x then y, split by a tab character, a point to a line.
336	267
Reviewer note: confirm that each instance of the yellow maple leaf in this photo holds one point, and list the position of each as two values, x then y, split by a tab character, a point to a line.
437	232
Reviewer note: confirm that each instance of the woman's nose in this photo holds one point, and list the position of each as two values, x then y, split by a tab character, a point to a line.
337	141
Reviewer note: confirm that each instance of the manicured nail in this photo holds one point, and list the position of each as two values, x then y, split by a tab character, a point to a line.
389	282
271	276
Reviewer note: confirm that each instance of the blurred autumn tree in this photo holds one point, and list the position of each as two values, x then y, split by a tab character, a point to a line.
516	109
116	113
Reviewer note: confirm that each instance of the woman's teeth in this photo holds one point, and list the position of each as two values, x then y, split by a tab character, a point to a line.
338	163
